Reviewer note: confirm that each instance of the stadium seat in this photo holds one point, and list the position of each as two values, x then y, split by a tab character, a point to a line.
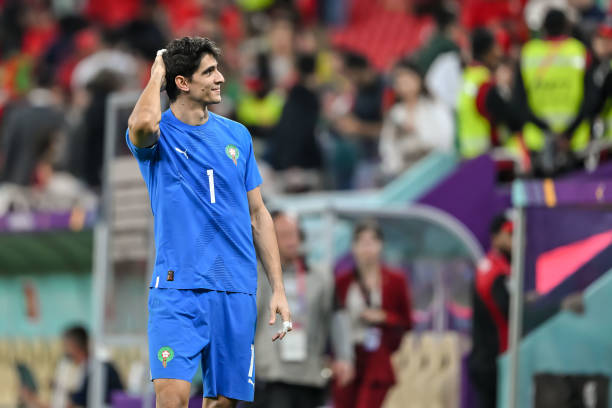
427	371
10	383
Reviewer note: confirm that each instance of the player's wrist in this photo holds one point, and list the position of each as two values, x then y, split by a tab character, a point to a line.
157	78
278	289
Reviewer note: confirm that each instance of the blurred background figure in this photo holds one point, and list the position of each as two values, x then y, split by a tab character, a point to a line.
378	303
72	375
260	107
485	113
601	83
27	142
416	125
491	305
551	90
440	58
293	150
356	159
295	374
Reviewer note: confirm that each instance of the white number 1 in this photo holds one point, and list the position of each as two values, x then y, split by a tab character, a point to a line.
211	185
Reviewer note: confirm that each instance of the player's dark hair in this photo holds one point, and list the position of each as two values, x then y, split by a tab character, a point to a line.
555	22
78	335
497	224
368	225
183	57
482	43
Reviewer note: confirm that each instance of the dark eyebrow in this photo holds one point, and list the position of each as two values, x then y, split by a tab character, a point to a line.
210	68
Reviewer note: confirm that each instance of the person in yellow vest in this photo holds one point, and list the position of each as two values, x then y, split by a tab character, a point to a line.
551	90
484	99
261	105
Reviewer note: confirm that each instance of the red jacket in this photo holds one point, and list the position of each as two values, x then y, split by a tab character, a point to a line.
375	366
491	291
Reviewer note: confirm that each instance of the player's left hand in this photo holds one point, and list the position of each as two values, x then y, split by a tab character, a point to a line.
279	305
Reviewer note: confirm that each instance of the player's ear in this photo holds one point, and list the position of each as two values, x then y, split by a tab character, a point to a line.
182	83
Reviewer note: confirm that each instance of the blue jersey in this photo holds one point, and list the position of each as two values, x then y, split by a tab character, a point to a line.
198	178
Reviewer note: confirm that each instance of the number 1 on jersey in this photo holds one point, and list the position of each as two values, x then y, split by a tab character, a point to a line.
211	185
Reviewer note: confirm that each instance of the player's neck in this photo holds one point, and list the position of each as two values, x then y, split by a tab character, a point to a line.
189	112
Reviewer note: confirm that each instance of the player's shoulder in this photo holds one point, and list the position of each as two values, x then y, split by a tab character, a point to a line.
229	124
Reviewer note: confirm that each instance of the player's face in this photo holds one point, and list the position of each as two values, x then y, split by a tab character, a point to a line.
367	248
205	83
288	237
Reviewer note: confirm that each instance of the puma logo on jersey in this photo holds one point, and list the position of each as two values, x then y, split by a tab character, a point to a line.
182	152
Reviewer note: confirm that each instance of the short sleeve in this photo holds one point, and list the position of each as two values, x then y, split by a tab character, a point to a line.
141	154
252	178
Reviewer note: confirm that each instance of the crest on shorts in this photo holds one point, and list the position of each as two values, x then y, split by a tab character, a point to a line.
165	355
232	152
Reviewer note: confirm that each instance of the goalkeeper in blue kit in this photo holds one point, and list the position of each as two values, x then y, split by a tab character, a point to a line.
210	221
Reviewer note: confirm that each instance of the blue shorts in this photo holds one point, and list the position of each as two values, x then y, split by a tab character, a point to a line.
189	326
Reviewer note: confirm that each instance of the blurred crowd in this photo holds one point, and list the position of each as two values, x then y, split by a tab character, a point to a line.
529	79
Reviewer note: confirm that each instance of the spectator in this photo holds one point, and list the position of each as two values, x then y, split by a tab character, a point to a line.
292	149
356	157
590	15
551	91
440	58
535	12
416	125
259	109
292	372
281	39
87	147
378	303
67	393
601	82
29	129
109	57
484	102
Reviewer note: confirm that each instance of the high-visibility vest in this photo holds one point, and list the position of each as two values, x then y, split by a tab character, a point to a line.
266	111
474	130
553	75
254	5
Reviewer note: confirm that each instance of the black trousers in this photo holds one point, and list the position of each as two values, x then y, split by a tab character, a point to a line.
485	383
281	395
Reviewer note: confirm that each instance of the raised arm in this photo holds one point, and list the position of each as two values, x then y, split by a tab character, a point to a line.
264	239
144	120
